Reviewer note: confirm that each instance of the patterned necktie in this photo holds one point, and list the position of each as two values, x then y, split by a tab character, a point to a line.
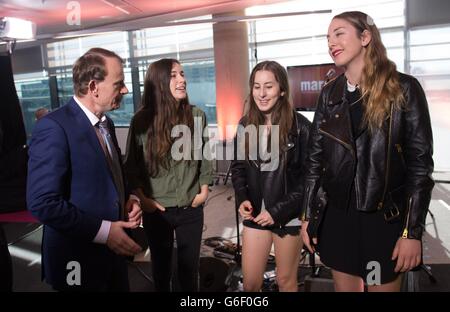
104	131
114	163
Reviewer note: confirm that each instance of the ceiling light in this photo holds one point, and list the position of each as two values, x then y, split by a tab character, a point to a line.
12	28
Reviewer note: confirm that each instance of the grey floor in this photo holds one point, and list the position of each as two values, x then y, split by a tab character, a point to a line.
223	274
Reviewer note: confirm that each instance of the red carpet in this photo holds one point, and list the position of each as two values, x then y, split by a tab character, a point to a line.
18	217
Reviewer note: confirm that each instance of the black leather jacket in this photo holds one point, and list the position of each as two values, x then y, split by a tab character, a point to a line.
391	169
282	188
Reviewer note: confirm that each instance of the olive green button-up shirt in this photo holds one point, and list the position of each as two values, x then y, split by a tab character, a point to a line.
177	185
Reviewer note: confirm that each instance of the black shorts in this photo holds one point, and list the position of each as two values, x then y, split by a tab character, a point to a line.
280	231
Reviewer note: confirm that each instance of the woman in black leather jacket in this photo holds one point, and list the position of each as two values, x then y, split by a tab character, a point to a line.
268	186
371	151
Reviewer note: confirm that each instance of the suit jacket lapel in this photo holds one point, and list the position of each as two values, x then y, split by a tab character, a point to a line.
87	130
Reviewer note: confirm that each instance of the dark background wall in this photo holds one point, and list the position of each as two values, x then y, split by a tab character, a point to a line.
13	154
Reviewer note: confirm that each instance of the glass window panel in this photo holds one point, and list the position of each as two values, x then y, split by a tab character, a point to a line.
430	52
430	63
430	35
121	116
397	55
192	45
65	53
301	40
392	39
65	85
172	39
438	67
201	87
33	93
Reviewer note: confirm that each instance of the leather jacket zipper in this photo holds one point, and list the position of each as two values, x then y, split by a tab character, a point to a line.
285	173
388	165
303	216
357	193
405	231
285	176
354	156
340	141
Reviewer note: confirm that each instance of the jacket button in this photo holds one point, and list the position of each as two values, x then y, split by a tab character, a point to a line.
337	115
315	218
330	102
323	120
323	169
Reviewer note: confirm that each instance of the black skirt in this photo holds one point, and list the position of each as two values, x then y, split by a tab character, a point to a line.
359	243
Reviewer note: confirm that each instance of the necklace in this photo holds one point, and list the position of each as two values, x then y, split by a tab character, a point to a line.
353	88
351	104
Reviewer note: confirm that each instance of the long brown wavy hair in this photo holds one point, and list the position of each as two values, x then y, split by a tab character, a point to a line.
380	85
282	112
165	112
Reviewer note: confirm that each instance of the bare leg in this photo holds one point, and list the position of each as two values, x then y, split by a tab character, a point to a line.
287	257
344	282
256	246
393	286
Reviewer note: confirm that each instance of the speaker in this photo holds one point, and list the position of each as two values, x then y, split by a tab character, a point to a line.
213	274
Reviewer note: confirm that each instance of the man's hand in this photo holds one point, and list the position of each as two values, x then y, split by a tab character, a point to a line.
133	208
119	242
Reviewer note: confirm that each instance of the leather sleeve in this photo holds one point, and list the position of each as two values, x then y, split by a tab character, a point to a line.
239	172
289	207
313	162
418	151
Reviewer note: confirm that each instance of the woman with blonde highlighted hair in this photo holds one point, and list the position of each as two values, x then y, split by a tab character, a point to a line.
370	149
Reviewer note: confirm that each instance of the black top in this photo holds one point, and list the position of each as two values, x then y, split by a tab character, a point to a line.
356	110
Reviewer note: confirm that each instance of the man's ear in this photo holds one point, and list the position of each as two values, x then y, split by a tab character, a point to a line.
366	37
93	87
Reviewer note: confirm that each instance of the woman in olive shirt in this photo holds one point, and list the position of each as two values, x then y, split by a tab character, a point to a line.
172	191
